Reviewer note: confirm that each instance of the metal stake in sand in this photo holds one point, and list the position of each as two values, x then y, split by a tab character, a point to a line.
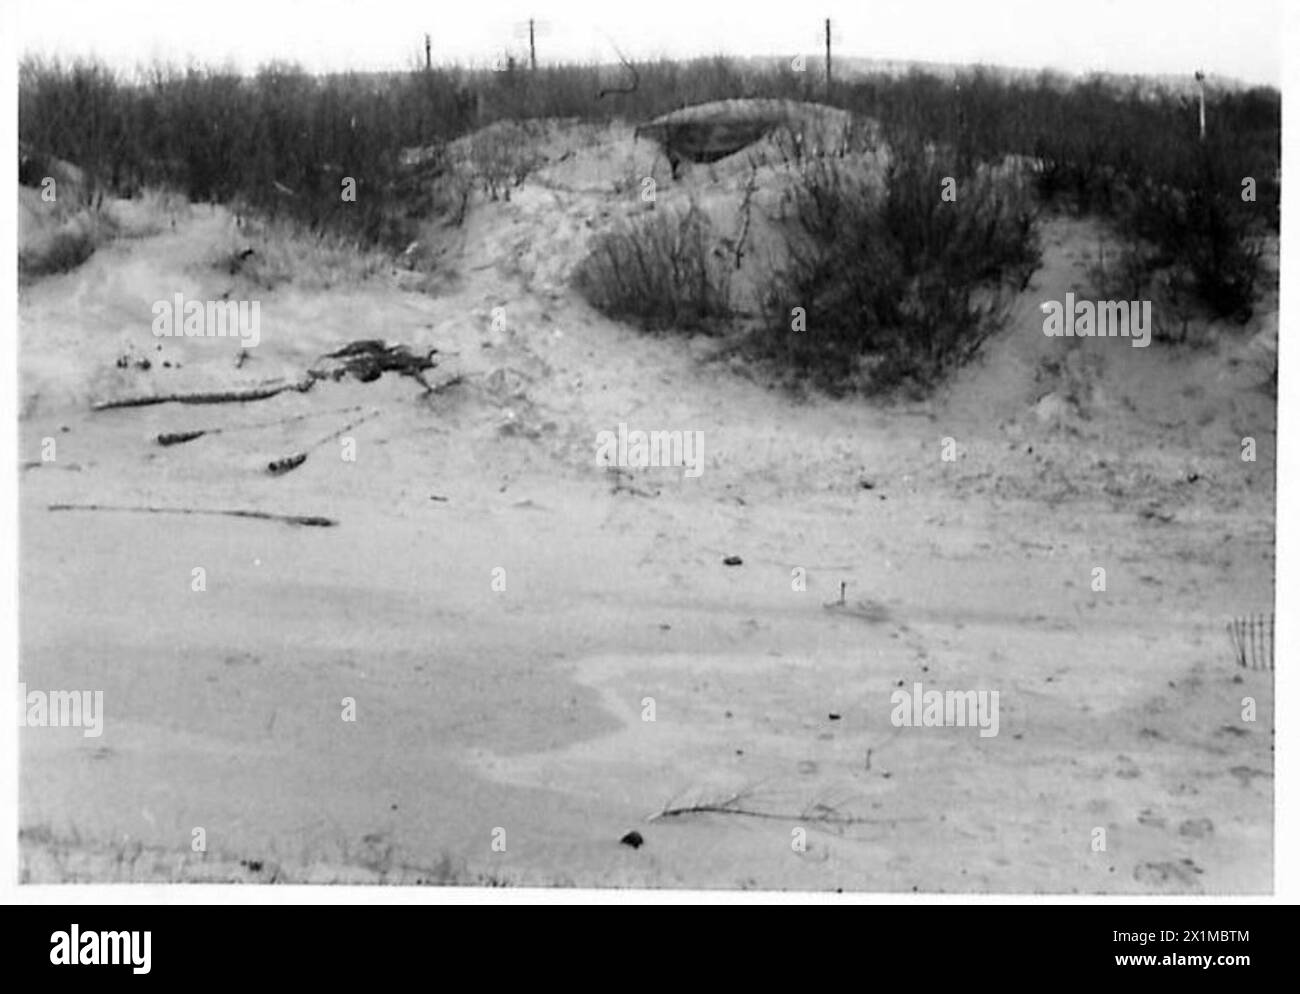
834	605
286	464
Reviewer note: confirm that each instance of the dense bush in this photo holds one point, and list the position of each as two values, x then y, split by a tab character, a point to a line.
1199	233
900	287
280	143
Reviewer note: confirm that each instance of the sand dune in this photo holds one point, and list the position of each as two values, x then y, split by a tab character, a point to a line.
523	707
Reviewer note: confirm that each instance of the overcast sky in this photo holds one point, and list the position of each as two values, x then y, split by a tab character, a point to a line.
1239	38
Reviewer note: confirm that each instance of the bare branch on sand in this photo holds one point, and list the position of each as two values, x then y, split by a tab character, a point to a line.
309	520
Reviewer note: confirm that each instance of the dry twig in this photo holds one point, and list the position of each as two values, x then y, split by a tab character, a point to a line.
311	520
211	397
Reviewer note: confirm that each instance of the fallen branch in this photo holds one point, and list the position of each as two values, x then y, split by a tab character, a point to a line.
368	359
180	437
292	461
278	467
818	813
310	520
830	819
217	397
745	210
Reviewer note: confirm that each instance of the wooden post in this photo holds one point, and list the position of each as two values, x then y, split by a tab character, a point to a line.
532	46
428	52
828	60
1200	78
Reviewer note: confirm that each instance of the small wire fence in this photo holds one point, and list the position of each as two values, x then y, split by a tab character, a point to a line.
1252	641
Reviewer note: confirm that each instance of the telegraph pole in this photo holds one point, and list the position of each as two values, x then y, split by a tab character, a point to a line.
1200	79
428	52
532	46
828	60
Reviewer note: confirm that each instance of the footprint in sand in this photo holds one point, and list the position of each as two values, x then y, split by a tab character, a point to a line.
1196	828
1150	818
1128	770
1246	774
867	610
1180	875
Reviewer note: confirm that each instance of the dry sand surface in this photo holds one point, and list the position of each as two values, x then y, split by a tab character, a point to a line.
479	709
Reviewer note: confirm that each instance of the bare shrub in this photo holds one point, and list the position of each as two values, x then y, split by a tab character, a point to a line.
660	274
502	156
